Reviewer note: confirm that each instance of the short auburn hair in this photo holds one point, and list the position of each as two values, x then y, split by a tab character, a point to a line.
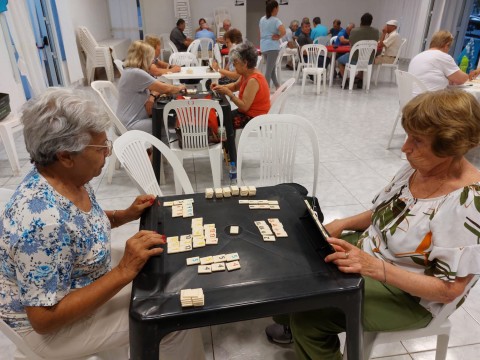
451	117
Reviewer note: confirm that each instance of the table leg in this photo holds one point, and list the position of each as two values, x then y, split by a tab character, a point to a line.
228	123
157	123
332	68
354	331
144	340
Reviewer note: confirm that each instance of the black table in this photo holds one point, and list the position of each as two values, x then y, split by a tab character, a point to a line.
280	277
158	126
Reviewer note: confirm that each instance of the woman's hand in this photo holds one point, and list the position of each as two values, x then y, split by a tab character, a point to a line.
180	88
276	37
350	259
138	249
134	211
175	69
222	89
215	65
473	74
335	228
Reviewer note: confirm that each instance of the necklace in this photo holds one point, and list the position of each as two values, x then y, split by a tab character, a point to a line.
434	191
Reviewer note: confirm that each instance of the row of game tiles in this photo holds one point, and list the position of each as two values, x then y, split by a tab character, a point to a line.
229	191
214	263
201	236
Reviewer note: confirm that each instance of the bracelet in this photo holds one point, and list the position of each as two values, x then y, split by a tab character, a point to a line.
113	216
384	273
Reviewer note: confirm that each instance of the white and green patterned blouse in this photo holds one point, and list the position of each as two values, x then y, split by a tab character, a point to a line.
437	237
48	247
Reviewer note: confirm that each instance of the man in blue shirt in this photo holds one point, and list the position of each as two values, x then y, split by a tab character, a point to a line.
336	27
205	33
343	36
318	29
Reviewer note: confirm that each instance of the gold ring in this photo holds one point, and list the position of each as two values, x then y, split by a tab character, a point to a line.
347	254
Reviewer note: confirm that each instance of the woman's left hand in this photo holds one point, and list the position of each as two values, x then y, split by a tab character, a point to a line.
351	259
142	202
275	37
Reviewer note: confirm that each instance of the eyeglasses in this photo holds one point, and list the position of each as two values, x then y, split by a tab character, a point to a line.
107	147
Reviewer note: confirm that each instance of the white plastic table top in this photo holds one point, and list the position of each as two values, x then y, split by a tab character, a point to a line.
472	87
193	72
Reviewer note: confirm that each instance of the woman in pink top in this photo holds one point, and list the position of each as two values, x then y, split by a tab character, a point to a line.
254	93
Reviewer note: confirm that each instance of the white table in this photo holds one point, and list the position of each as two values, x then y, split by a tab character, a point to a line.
472	87
193	72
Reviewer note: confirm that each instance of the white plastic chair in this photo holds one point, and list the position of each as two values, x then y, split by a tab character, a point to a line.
172	47
407	83
293	53
24	352
219	15
332	40
217	55
96	55
130	150
192	118
259	62
202	48
314	51
364	49
164	47
322	40
8	126
183	59
119	64
108	93
278	136
278	63
278	98
439	326
394	65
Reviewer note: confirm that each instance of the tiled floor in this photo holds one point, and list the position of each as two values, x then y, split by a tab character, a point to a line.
353	129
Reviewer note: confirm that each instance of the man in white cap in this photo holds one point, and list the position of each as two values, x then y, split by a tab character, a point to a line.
389	42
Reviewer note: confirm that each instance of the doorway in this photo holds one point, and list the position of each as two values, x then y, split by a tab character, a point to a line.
255	10
44	19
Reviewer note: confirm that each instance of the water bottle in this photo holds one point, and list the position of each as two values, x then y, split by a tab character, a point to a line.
233	173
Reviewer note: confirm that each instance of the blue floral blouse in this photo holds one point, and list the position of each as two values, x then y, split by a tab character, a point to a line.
48	247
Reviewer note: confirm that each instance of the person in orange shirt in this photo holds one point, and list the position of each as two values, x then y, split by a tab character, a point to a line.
254	94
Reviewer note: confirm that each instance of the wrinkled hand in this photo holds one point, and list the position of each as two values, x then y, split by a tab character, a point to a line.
142	202
175	69
181	88
473	74
350	259
334	228
138	249
221	89
275	37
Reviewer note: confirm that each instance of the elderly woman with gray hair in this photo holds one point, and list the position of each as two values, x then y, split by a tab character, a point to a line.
254	94
58	289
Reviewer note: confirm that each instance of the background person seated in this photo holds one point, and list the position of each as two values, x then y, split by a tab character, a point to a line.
318	29
159	67
254	93
205	32
201	21
304	39
434	67
137	89
344	35
177	36
59	289
233	37
227	24
389	42
336	28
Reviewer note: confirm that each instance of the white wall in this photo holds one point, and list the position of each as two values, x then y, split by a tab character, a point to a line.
93	14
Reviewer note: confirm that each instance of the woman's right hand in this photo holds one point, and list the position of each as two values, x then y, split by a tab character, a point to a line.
138	249
181	88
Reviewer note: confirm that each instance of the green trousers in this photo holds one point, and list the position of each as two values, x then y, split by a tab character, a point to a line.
386	308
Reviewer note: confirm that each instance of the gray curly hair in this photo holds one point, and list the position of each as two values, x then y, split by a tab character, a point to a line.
245	52
61	119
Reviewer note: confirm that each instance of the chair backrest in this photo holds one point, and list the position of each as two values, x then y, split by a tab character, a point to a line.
278	136
201	47
332	40
87	41
283	46
130	151
183	59
109	95
18	341
259	61
313	51
217	55
192	118
119	64
397	57
279	97
322	40
172	46
408	86
364	48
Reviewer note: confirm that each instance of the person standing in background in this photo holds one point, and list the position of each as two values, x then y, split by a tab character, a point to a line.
271	31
